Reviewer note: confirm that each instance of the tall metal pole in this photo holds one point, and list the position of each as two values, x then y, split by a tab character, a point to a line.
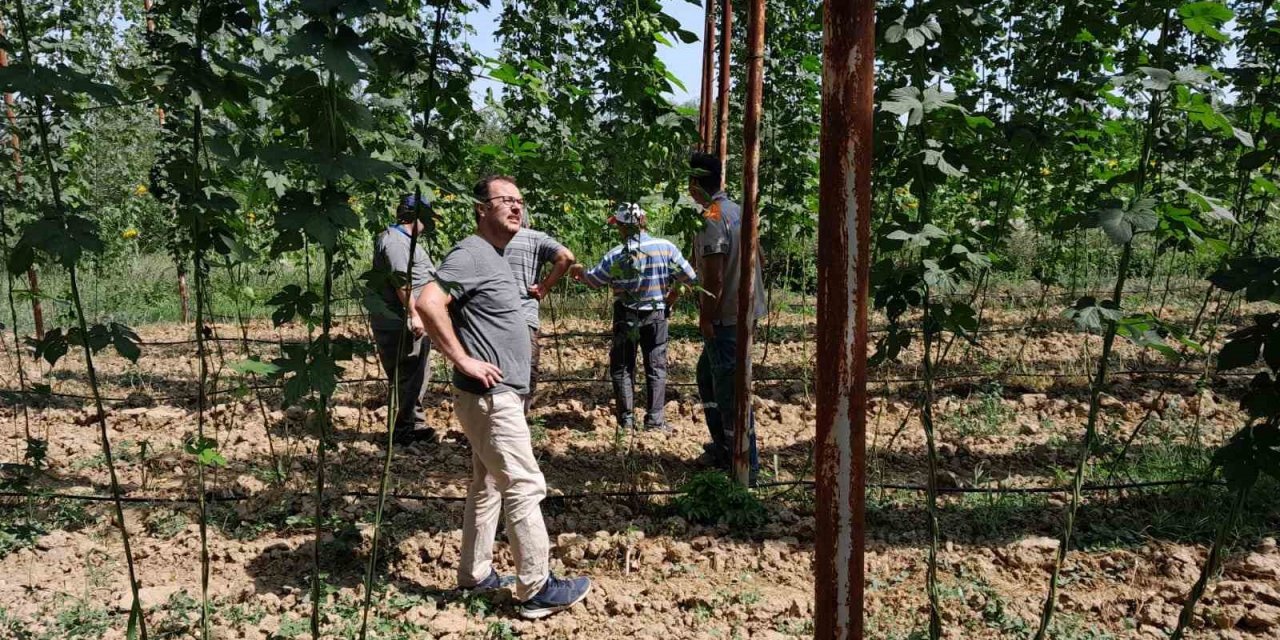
844	231
15	140
708	73
750	235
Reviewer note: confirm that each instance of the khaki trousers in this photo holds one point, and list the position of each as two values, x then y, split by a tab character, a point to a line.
505	480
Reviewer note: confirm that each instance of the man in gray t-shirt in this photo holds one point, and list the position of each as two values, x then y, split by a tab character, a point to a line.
475	317
527	252
718	253
401	339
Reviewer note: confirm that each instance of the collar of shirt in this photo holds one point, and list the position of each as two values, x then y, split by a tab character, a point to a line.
401	230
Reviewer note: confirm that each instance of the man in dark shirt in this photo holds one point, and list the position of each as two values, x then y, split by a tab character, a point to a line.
474	315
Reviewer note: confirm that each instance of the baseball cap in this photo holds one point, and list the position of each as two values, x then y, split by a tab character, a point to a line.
627	213
409	205
412	201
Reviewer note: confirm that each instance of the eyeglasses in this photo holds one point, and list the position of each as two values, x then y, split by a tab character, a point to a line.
507	200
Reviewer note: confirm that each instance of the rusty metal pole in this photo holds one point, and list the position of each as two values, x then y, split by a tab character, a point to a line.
750	239
722	100
33	282
844	232
708	72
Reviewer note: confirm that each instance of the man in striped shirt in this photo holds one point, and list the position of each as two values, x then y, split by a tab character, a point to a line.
640	272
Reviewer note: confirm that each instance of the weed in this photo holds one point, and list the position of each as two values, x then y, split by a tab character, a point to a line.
81	620
182	613
500	630
538	430
795	627
711	497
127	452
166	523
14	629
477	604
244	614
290	628
985	418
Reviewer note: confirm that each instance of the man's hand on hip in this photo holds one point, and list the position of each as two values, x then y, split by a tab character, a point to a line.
488	374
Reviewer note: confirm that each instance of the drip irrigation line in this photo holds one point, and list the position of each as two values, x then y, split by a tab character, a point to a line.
955	376
585	495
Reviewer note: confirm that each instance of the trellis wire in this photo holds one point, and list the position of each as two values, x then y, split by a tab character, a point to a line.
586	495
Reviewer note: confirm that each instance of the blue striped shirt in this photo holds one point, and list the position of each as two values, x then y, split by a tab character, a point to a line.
640	270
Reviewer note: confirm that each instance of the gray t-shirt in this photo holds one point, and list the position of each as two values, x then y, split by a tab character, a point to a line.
721	234
526	254
487	314
391	253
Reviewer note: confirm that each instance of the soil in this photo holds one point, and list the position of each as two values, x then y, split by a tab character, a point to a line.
656	575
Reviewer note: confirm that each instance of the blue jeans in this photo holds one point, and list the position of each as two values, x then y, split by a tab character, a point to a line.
716	370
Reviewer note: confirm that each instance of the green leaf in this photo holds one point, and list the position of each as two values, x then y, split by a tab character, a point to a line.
913	103
52	347
254	366
125	341
1240	351
293	301
64	238
205	451
1204	18
1089	314
1214	209
1121	225
921	238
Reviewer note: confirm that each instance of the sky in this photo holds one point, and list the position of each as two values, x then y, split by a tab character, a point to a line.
683	60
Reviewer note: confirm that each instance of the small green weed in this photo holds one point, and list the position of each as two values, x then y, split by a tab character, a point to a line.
500	630
14	629
711	498
985	418
795	627
166	523
538	430
81	620
291	628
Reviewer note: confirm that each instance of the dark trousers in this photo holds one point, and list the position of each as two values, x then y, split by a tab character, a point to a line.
406	362
716	370
648	330
534	352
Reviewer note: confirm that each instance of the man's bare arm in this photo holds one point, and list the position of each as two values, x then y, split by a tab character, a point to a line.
559	266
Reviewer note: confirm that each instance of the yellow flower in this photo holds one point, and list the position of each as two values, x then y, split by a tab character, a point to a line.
449	197
351	201
566	208
140	190
129	234
1046	171
1113	163
913	205
251	216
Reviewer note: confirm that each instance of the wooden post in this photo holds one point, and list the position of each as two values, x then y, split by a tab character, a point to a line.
844	232
708	71
722	100
750	234
33	282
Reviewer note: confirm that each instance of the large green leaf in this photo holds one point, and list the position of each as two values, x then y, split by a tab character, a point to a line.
1121	225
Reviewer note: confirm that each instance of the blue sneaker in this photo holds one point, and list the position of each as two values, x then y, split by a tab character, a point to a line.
556	595
494	582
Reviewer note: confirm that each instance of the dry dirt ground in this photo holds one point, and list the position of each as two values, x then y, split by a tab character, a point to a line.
1010	413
